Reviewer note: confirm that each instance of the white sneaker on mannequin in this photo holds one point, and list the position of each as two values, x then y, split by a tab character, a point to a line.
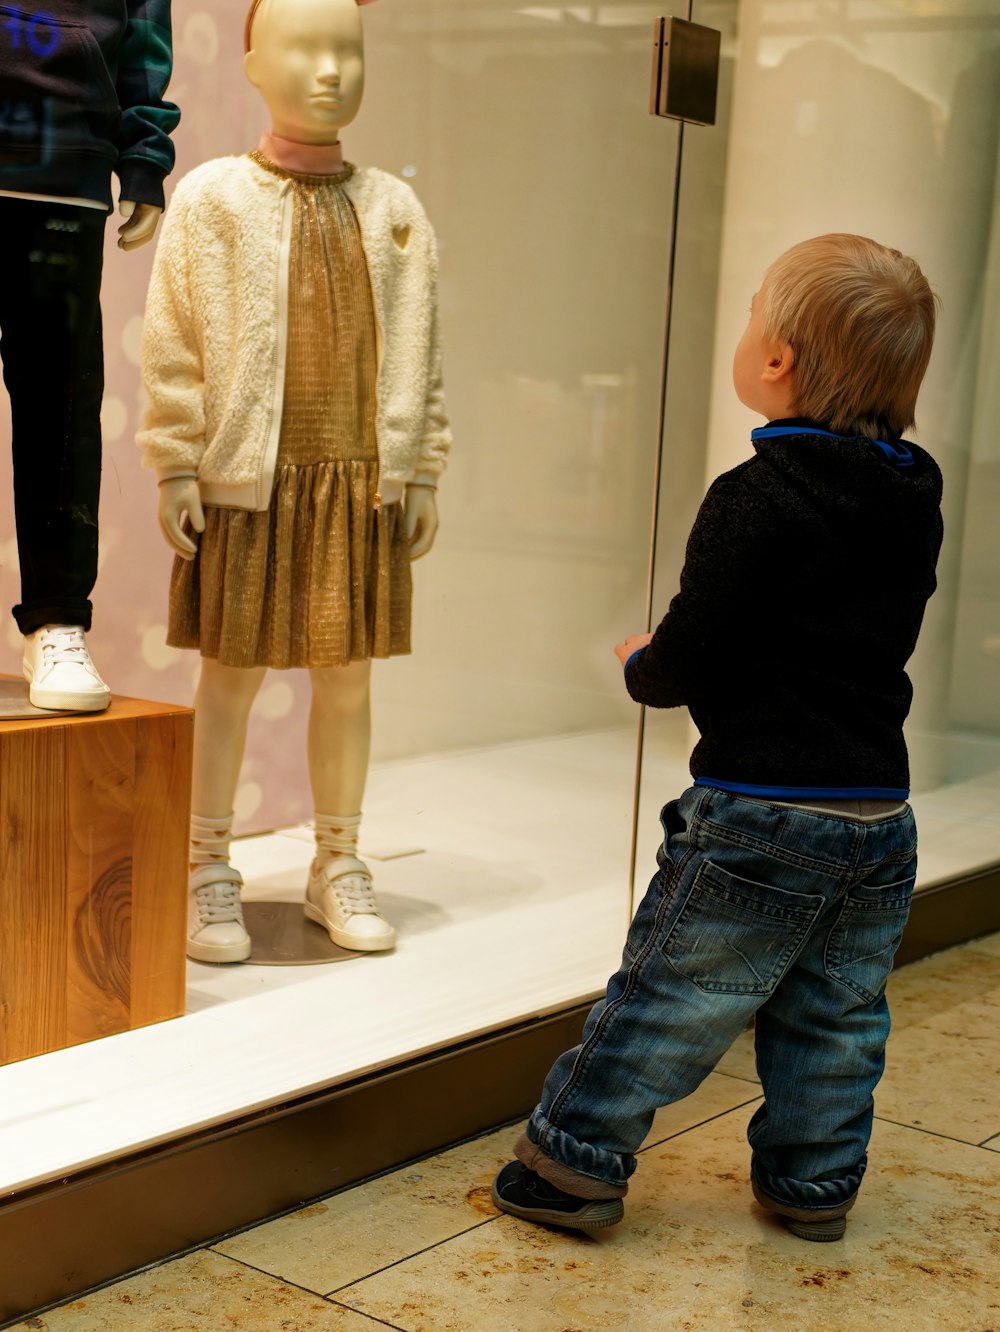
216	932
58	668
341	897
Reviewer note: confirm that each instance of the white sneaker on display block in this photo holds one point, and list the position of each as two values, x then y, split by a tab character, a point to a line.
216	932
60	673
340	896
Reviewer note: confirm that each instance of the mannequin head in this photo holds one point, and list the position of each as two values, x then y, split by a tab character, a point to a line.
306	59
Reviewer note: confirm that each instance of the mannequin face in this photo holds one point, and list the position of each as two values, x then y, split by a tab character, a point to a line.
307	62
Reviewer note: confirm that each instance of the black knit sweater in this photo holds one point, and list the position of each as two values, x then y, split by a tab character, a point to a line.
804	585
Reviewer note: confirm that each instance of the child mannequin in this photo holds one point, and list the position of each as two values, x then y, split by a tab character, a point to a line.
297	419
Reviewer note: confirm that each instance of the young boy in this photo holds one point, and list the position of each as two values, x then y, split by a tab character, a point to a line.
786	870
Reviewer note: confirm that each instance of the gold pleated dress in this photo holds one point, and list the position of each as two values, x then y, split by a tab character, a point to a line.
322	577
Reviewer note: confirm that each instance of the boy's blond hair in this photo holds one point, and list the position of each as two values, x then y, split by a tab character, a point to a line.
860	321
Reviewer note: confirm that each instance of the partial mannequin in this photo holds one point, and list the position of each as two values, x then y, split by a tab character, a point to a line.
294	513
139	227
88	96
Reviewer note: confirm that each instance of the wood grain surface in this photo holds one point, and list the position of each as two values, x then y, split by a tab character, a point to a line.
93	874
162	829
100	802
32	895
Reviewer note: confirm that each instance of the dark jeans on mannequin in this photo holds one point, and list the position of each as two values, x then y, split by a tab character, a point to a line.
53	367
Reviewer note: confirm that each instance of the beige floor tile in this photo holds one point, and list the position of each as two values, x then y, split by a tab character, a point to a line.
936	984
363	1230
989	943
943	1072
717	1095
201	1293
738	1061
695	1254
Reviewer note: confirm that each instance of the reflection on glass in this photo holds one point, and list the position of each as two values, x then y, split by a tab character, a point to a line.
499	804
889	128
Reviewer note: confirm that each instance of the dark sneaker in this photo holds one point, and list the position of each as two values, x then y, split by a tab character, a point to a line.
798	1220
817	1230
522	1193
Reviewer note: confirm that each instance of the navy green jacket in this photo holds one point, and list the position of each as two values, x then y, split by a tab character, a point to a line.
803	589
81	95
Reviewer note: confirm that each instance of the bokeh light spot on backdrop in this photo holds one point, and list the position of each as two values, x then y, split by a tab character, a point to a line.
248	800
155	651
114	419
132	339
275	701
200	39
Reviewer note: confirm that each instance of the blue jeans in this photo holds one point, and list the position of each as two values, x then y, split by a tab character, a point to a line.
757	909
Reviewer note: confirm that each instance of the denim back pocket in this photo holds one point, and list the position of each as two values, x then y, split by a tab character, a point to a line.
676	836
735	936
864	940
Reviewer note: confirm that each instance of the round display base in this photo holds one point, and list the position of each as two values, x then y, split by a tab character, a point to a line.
282	937
15	704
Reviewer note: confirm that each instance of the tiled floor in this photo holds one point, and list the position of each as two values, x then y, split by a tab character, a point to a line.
423	1249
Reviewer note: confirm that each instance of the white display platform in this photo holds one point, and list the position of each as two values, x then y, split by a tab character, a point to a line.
507	881
516	906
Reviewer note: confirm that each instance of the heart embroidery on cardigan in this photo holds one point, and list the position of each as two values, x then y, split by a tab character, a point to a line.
401	235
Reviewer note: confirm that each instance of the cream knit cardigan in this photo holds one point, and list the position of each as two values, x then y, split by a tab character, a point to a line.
214	340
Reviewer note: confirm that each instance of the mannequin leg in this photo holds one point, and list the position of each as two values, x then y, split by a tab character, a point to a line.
225	695
340	732
340	894
222	706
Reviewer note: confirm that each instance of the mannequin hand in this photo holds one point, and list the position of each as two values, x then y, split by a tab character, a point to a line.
139	226
632	644
181	495
420	511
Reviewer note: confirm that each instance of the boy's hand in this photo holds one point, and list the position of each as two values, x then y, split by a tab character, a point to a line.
632	644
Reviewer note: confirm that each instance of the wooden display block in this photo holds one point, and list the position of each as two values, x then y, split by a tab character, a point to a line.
94	817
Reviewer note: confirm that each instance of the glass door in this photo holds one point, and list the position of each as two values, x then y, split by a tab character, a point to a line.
880	119
499	808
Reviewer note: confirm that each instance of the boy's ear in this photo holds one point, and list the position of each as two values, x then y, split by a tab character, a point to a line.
780	363
250	66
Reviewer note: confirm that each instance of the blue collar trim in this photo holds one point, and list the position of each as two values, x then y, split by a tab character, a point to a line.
898	454
809	792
